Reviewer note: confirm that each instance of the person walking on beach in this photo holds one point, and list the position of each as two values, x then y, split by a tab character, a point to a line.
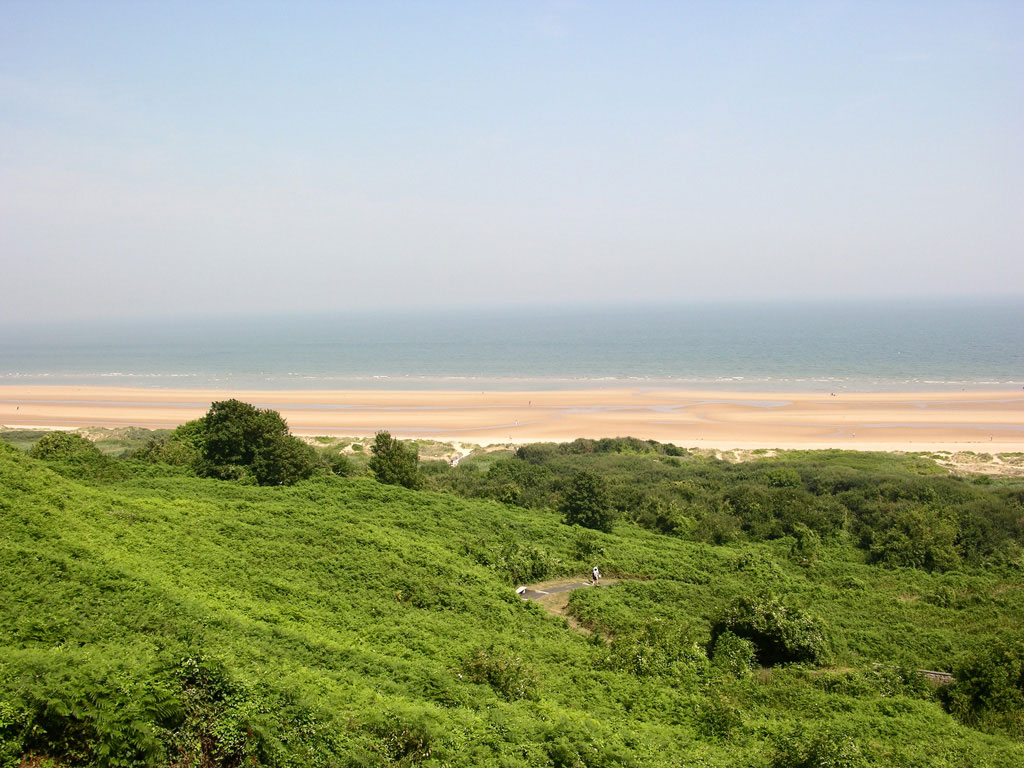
596	574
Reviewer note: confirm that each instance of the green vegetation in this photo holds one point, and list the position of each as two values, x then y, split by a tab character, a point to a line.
236	440
585	502
394	462
767	613
902	511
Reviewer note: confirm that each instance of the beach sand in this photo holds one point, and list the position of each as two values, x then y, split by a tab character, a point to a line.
907	421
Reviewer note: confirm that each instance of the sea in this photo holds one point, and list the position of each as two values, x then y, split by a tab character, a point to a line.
890	345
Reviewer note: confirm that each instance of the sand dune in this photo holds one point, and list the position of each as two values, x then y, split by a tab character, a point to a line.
984	421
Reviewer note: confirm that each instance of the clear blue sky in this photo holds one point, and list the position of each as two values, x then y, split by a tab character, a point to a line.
260	156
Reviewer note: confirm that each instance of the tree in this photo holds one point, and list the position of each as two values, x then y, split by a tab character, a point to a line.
240	439
393	462
586	502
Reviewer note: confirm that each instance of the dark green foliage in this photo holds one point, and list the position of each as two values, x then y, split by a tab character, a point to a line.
238	440
903	511
338	463
806	545
585	502
75	456
779	633
989	688
717	719
61	446
394	462
916	538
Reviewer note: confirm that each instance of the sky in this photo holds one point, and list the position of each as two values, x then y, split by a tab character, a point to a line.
277	157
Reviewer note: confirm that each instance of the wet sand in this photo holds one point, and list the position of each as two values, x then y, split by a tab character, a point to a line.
917	421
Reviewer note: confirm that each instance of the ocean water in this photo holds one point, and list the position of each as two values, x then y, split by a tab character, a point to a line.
891	345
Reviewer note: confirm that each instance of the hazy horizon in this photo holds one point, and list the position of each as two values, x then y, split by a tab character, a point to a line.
226	159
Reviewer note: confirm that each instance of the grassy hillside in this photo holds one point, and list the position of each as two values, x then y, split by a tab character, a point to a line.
153	617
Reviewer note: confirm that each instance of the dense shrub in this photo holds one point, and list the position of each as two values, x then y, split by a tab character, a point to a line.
733	655
76	456
989	688
239	440
585	502
915	538
393	462
60	446
505	672
807	747
780	634
659	647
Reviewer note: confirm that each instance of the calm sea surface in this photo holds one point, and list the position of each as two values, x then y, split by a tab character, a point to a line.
881	345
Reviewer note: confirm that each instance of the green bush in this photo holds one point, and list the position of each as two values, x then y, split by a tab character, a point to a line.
239	440
505	672
61	446
733	655
717	719
916	538
73	455
807	747
779	634
989	688
585	502
394	462
658	648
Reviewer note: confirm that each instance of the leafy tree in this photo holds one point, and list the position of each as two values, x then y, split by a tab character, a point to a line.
393	462
239	439
586	502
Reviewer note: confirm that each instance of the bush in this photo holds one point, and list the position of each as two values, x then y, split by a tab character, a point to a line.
239	440
659	648
824	748
780	634
717	719
61	446
586	503
989	688
77	457
806	546
506	673
733	654
916	538
393	462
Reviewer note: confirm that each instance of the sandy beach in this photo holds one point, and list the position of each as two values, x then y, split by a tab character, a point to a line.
915	421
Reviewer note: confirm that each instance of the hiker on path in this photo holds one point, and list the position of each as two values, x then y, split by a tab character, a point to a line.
596	574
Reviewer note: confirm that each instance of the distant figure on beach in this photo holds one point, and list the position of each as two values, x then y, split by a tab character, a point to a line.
596	574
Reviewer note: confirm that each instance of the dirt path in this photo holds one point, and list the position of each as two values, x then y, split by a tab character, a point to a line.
553	597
